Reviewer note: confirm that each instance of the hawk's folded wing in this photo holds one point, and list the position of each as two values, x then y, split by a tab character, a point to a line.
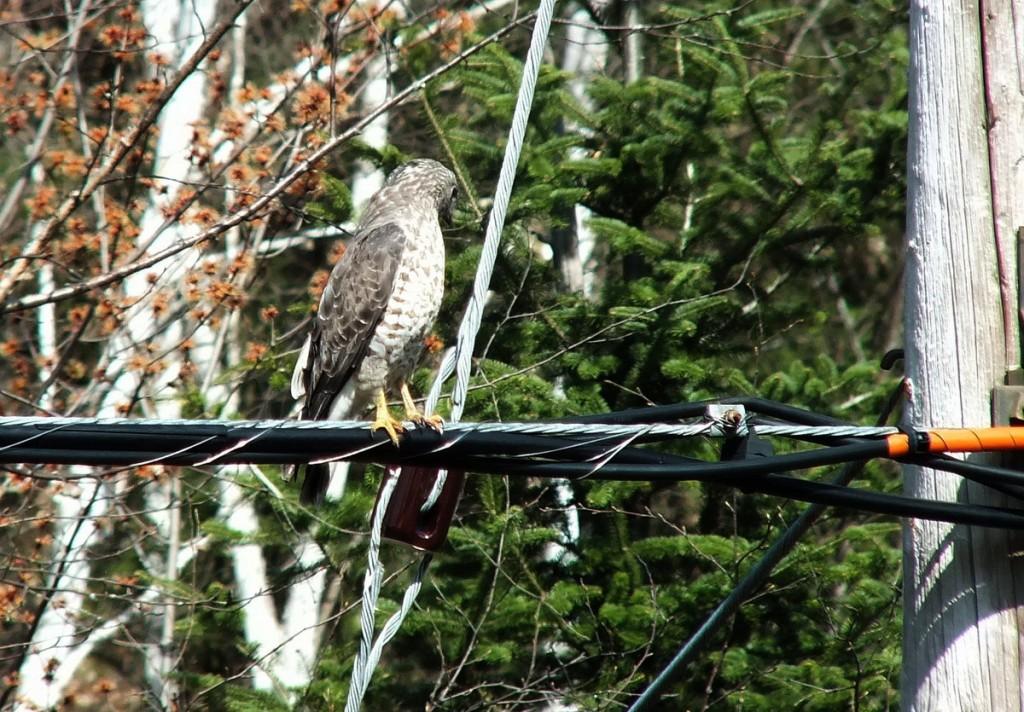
353	303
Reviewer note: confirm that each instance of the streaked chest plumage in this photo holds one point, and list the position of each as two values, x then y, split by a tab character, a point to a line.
410	313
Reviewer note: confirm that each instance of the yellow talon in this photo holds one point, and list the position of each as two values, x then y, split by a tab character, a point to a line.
385	421
435	421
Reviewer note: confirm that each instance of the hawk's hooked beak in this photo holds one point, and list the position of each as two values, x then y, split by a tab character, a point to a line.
445	213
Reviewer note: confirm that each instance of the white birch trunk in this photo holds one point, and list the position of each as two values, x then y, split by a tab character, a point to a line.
284	659
586	55
213	353
178	30
54	653
368	179
962	610
54	635
634	52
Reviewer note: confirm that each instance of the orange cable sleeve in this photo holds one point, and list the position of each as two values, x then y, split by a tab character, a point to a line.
962	440
899	444
975	439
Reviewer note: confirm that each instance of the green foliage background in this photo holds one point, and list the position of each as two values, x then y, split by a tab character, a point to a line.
747	197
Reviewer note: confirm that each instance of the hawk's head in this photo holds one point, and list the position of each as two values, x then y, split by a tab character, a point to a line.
426	176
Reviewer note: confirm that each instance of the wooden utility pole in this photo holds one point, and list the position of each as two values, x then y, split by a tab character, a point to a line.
963	586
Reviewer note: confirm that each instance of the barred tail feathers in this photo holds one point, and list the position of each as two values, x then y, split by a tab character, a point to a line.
328	479
314	484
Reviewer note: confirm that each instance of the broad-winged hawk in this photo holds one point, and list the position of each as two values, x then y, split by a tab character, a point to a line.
379	304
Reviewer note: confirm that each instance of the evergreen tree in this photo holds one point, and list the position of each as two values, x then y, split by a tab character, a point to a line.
745	195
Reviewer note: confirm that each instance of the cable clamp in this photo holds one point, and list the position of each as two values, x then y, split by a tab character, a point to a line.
730	417
917	442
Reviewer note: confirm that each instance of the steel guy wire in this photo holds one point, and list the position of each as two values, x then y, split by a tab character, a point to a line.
470	325
394	623
564	429
368	655
362	670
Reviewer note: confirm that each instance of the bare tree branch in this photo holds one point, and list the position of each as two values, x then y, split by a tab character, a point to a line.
247	213
121	149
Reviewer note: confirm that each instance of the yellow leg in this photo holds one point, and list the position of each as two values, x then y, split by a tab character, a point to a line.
413	413
385	421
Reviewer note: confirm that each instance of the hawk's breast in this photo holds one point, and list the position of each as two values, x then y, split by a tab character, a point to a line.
418	289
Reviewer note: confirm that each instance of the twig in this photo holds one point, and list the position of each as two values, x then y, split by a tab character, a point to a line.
307	164
14	193
121	149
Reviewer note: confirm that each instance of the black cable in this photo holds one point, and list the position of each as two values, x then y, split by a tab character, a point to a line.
770	484
755	578
671	470
1009	482
683	411
187	445
762	482
171	437
894	504
125	444
466	450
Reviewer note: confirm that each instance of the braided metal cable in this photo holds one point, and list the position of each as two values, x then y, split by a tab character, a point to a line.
394	623
447	369
362	668
495	223
705	428
369	654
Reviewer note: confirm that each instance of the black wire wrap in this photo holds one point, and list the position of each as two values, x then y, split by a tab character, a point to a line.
195	443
